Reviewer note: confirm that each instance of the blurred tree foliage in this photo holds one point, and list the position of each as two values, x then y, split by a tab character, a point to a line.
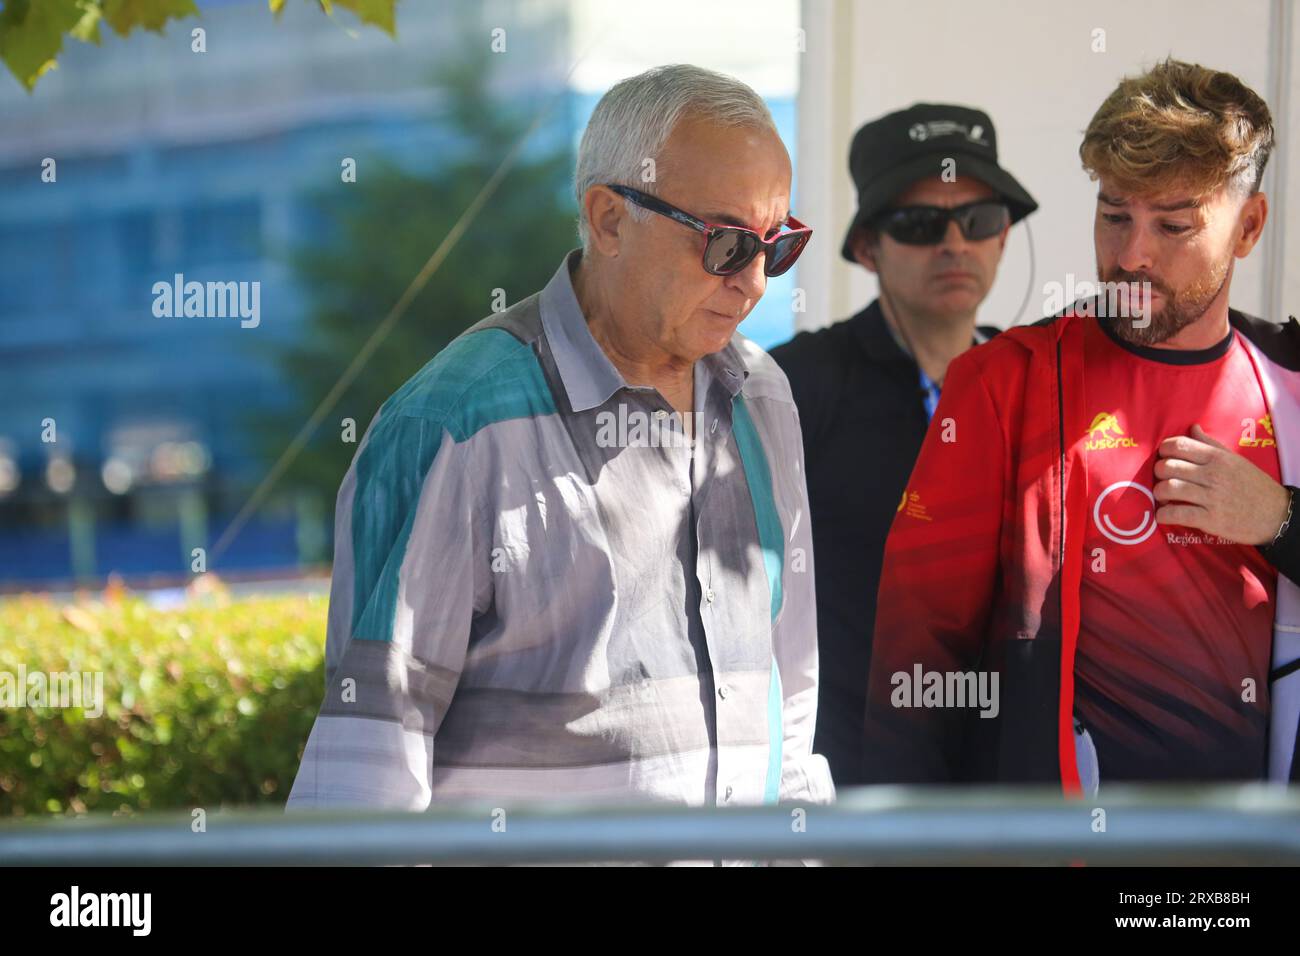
32	31
381	230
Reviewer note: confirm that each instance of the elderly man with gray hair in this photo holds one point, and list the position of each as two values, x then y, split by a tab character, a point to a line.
572	553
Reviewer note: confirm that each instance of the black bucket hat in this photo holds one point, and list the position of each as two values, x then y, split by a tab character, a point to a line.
891	153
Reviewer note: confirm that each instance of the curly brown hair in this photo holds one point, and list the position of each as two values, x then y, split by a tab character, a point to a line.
1179	127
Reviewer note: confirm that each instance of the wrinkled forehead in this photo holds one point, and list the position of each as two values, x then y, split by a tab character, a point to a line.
1130	196
729	175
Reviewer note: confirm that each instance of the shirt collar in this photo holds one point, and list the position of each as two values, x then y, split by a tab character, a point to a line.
728	368
588	376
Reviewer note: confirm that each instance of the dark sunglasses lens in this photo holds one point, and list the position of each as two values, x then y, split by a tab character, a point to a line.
983	220
915	227
728	251
785	251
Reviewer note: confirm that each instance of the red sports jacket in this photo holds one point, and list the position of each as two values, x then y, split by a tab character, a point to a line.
983	564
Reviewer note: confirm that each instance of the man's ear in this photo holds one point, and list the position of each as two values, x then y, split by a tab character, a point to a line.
606	212
1250	224
864	247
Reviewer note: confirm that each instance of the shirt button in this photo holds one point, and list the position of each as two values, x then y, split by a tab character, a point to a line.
661	413
722	691
714	426
708	595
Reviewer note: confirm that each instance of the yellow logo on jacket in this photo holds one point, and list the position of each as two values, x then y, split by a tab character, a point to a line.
912	502
1249	436
1105	432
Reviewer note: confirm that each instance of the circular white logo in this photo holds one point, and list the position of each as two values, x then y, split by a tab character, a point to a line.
918	132
1135	535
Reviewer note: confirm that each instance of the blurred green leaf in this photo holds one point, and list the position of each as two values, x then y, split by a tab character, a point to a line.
31	35
32	31
125	15
87	28
378	13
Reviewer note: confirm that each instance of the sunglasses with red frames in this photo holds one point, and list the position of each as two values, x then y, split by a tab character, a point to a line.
728	249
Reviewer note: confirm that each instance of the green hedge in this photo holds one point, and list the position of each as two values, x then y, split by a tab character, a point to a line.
207	705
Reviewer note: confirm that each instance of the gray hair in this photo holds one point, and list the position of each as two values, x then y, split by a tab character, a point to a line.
633	121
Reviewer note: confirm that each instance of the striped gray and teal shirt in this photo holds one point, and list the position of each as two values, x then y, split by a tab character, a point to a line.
520	610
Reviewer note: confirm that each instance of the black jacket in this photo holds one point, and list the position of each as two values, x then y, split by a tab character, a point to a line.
862	409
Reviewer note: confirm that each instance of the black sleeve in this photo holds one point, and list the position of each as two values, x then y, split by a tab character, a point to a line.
1285	553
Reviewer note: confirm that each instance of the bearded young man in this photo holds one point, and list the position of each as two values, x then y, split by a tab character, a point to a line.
1102	505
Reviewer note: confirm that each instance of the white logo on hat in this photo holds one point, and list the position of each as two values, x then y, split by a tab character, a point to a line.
923	131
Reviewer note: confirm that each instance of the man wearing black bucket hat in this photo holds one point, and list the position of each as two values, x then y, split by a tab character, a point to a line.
934	210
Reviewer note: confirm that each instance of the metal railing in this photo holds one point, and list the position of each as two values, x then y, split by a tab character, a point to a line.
1255	824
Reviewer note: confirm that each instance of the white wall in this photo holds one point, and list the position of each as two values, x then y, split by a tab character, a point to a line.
1031	66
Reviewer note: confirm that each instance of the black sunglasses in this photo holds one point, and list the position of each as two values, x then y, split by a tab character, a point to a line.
927	225
728	249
